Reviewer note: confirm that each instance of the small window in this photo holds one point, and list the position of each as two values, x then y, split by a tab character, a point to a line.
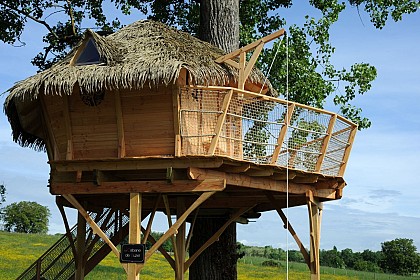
89	55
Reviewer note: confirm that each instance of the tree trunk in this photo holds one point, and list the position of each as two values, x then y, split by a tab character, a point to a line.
218	262
219	25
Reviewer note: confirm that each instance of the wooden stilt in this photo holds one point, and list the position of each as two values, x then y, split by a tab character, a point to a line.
134	231
314	210
180	241
80	249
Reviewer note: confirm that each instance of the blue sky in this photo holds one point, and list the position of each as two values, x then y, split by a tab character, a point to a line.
381	200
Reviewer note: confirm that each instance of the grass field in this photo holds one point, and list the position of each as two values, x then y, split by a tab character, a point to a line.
18	251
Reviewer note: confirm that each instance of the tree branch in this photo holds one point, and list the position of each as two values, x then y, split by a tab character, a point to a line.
71	17
42	22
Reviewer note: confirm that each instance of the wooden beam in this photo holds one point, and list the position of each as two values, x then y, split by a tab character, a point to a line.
176	106
284	176
172	237
68	232
306	179
120	125
347	151
216	236
241	79
263	172
283	132
168	257
237	169
180	240
151	218
134	231
67	122
251	46
315	213
145	163
52	147
96	229
289	227
220	122
191	231
252	61
173	229
80	247
232	63
248	182
325	142
180	186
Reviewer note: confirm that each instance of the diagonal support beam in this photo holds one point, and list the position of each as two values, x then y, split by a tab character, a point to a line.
96	229
216	236
290	228
168	257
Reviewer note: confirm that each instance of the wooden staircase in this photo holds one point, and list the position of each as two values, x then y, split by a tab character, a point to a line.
59	262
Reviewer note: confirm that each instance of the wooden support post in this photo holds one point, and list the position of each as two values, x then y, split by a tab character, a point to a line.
69	133
176	106
242	61
314	210
120	125
134	231
325	143
283	132
180	241
347	151
80	247
220	122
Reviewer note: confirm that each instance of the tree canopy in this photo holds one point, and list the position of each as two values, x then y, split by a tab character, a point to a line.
400	257
2	194
312	76
25	217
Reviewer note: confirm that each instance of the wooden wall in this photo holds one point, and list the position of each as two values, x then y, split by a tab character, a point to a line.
80	131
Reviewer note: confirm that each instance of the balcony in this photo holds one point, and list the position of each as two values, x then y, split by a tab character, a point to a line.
250	127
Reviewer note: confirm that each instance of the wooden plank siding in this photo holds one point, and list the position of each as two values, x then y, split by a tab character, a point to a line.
147	123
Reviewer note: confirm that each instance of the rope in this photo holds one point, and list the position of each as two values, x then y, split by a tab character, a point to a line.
269	68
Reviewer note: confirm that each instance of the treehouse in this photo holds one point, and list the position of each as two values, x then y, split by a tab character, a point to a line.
152	119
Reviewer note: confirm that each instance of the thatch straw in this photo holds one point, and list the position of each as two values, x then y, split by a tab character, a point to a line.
145	53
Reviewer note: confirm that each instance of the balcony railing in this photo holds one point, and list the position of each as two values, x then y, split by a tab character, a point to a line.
252	127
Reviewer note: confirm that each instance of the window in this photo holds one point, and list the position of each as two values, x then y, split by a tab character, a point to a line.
89	54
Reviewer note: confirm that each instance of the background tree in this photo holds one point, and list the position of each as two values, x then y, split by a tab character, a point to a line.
400	257
2	194
331	258
25	217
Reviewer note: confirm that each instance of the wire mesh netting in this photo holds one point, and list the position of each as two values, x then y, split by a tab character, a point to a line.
263	130
58	262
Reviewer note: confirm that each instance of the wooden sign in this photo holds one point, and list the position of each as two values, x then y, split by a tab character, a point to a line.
132	253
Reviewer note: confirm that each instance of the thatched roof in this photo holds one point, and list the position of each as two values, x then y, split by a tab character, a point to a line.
145	53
